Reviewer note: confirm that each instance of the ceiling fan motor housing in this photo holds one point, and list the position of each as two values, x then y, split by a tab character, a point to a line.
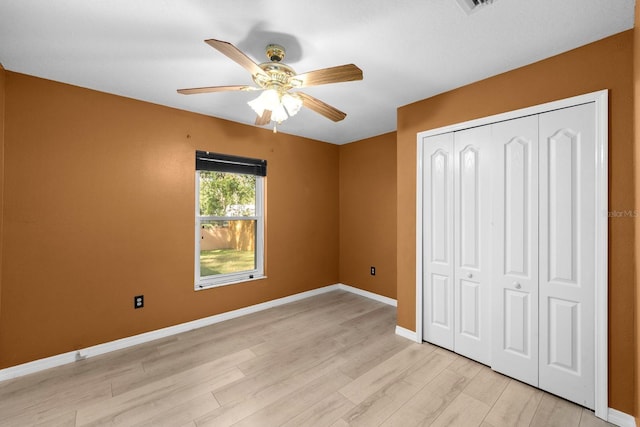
280	75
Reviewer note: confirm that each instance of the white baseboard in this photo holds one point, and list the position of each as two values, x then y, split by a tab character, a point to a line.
37	365
72	356
408	334
620	418
370	295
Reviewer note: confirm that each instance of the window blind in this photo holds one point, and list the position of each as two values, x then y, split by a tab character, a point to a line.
207	161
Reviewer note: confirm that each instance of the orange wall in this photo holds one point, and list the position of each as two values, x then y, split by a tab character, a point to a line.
80	163
2	79
636	121
606	64
368	214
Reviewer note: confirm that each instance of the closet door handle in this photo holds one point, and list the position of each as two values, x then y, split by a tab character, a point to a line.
469	275
517	285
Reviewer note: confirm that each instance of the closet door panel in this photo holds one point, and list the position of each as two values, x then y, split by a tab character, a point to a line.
567	273
438	245
472	233
515	249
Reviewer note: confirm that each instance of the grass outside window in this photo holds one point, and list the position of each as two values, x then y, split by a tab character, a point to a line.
222	261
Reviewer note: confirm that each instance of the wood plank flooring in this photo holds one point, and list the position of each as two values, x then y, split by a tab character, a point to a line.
329	360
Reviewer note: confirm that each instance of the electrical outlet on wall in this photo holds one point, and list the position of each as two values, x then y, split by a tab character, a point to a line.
138	301
373	271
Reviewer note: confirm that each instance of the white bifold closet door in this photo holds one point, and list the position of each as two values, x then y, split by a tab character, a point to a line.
567	253
515	249
472	232
544	246
438	243
509	247
456	248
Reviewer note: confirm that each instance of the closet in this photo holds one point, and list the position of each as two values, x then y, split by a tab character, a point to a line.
457	276
509	245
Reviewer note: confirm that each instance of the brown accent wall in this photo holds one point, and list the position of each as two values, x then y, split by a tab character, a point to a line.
636	122
2	84
81	164
606	64
368	214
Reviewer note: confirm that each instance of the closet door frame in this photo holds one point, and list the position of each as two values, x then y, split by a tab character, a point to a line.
601	100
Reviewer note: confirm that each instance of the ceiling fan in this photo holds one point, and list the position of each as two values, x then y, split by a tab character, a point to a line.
276	80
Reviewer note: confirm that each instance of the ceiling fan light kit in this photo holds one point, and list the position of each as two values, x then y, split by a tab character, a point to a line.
281	105
276	103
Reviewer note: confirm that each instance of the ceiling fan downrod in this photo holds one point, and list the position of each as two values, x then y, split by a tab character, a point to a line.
275	52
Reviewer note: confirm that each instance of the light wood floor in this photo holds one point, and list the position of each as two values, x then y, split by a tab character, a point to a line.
329	360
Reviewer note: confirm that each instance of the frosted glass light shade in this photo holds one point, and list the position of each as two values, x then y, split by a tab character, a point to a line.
281	107
278	114
292	103
268	100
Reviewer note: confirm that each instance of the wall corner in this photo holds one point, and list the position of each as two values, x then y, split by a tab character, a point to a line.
636	172
2	124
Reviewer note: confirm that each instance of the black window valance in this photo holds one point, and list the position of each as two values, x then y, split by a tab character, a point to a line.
206	161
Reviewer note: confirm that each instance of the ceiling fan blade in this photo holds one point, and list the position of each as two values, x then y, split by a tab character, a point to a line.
264	119
237	55
213	89
341	73
322	108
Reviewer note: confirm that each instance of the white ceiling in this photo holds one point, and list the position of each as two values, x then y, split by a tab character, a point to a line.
408	49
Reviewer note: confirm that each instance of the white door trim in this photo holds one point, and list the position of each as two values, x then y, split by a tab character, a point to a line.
601	100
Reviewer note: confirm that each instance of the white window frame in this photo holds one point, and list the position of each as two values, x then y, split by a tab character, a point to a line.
207	282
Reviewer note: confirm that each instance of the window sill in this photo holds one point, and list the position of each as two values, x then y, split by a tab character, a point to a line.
204	286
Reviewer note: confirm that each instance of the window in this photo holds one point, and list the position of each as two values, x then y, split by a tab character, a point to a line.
229	219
